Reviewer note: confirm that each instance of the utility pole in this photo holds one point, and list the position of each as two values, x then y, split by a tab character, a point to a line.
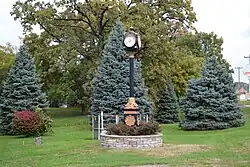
248	57
239	68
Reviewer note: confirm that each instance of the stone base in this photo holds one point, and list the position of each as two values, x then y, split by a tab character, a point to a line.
38	140
115	141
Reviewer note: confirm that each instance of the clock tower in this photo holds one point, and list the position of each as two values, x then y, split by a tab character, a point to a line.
132	44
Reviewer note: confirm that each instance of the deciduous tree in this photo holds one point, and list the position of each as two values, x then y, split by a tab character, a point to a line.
6	61
73	34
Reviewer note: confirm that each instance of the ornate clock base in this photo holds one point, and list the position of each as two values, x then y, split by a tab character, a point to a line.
131	113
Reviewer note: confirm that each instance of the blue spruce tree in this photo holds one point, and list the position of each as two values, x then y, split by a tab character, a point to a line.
111	85
21	90
140	91
168	109
211	101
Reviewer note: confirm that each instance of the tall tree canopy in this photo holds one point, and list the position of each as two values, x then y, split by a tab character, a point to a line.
6	61
74	32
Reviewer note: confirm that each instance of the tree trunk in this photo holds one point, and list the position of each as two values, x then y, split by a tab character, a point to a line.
84	109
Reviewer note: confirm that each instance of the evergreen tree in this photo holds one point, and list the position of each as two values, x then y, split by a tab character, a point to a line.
211	101
111	85
21	90
140	91
168	109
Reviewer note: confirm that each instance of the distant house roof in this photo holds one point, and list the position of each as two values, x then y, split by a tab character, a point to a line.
242	90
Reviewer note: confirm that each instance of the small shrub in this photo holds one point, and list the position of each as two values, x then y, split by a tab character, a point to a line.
31	123
119	129
45	122
122	129
149	128
26	123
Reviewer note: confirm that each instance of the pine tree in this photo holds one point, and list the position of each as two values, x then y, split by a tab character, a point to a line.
141	92
211	101
168	109
111	85
21	90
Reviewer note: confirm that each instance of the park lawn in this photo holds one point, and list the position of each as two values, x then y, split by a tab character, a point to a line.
71	145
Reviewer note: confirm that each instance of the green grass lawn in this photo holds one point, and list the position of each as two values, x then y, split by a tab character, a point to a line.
71	145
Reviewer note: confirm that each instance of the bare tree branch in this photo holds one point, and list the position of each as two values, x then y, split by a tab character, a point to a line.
105	24
73	26
70	19
100	22
77	8
51	34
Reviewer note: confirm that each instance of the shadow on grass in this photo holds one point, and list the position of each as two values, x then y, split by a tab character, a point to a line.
23	136
87	138
64	112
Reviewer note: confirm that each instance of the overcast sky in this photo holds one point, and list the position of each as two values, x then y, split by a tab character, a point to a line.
227	18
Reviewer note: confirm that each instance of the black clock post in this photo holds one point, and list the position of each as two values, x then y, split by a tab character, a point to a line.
132	44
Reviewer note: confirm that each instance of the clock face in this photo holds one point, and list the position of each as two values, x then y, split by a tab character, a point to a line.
129	41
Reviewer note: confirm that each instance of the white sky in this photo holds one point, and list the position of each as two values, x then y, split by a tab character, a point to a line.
227	18
231	20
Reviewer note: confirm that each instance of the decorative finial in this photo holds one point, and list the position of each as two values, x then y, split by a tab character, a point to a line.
132	29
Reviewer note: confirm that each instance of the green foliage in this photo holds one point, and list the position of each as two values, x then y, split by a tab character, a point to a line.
211	101
190	50
21	90
202	44
68	49
63	112
120	129
45	124
6	61
111	84
29	123
6	116
26	123
141	93
168	109
149	128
